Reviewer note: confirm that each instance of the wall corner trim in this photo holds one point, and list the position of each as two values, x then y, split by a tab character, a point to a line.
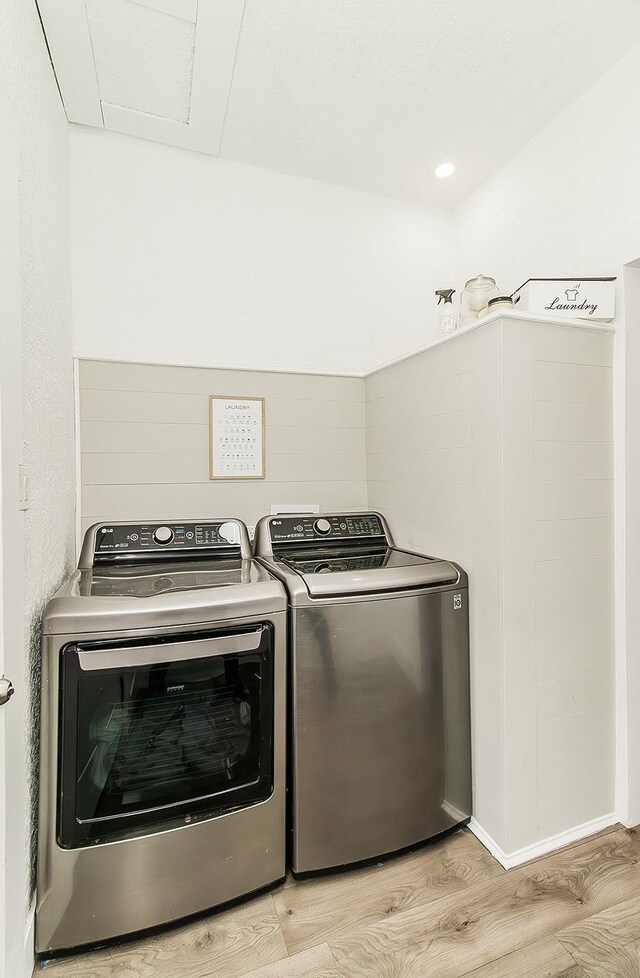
66	27
527	853
30	940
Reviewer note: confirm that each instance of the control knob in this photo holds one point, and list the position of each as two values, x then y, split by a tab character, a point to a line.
322	526
164	535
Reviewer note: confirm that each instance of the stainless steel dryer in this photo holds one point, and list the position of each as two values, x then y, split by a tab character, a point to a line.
163	733
379	688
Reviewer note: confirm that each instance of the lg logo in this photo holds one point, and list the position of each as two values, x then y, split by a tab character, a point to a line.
457	602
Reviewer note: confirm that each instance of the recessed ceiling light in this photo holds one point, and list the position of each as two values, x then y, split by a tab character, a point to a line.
445	170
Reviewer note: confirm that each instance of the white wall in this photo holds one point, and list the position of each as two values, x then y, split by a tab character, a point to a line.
569	203
44	544
572	184
47	373
12	721
180	257
176	254
513	479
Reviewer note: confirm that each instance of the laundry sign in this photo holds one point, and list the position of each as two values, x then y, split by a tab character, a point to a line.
236	437
571	298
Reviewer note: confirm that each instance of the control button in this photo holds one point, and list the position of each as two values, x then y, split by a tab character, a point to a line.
322	526
189	535
164	534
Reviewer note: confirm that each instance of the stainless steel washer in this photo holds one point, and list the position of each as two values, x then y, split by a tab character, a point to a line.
379	688
162	771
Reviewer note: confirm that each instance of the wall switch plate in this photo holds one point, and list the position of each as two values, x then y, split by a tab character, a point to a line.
23	487
280	509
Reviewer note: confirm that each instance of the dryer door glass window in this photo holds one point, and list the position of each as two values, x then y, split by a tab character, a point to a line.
164	739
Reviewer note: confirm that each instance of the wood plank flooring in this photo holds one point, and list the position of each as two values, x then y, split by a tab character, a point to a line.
446	911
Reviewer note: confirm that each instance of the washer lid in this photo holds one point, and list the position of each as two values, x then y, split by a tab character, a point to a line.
335	573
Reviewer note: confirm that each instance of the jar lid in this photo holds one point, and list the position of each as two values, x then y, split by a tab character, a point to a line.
480	280
500	298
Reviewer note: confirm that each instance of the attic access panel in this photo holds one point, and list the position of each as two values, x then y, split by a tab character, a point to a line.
158	69
143	57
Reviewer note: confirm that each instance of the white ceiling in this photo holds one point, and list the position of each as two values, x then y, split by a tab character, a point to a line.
369	94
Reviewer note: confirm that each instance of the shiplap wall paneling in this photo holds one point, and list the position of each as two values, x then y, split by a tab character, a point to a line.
419	449
495	449
574	575
145	442
419	474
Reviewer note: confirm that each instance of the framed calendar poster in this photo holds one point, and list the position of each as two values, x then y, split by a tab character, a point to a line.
236	437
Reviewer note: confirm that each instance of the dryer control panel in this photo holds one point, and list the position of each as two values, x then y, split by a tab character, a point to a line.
345	526
122	538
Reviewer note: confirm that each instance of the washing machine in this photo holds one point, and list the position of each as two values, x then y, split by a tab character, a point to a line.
162	772
380	753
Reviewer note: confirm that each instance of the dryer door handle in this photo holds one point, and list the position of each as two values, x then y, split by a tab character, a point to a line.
149	655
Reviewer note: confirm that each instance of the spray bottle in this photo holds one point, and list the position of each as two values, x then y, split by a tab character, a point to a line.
447	313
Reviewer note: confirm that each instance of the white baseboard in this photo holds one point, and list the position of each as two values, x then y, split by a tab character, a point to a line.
526	854
20	954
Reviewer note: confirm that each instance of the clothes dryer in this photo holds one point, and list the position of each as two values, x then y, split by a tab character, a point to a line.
162	769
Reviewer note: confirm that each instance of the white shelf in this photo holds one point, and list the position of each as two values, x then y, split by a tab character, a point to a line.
522	317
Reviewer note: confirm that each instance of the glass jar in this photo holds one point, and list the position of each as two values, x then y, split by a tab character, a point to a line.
475	296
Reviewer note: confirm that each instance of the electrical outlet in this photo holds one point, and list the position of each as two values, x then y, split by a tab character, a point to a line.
281	509
23	487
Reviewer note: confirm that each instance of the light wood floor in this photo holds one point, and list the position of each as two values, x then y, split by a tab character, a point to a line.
445	911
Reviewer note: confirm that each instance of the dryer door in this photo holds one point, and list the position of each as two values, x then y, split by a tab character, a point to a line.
163	731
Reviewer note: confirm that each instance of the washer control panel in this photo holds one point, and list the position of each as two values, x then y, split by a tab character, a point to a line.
146	537
341	527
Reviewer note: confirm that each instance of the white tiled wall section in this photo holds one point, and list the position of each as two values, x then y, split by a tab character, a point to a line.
419	471
573	430
144	442
496	450
419	449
